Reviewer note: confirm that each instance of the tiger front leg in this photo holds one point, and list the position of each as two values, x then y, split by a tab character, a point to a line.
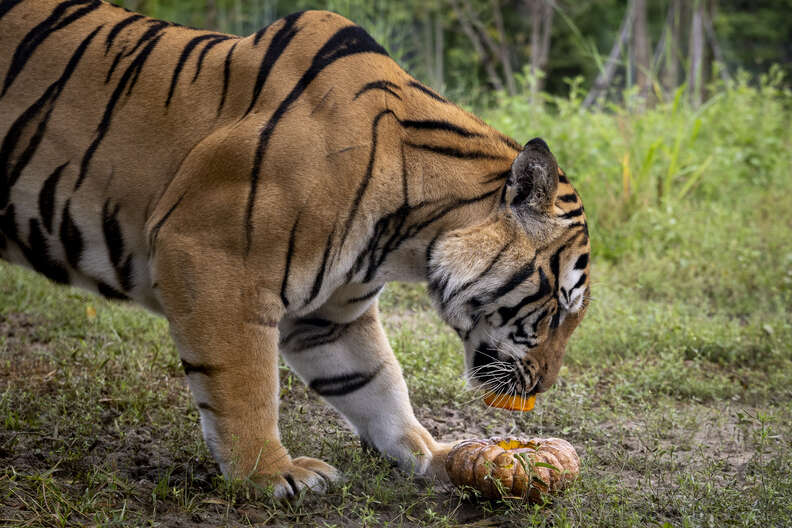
353	367
226	331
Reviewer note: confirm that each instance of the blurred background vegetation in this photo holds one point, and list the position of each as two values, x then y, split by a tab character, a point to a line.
470	48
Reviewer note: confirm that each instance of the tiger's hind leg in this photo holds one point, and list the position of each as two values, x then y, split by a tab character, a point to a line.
353	367
226	332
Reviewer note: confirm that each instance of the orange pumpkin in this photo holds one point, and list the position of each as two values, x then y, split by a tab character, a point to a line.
513	467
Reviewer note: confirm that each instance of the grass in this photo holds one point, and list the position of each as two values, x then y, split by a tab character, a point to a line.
675	391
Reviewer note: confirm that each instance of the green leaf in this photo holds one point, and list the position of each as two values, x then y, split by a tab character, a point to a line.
546	465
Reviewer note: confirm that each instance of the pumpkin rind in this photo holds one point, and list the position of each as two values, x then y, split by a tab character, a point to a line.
500	467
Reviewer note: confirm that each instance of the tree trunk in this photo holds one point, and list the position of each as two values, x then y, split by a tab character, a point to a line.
547	27
466	20
672	52
641	48
427	49
536	27
606	75
211	14
439	42
716	49
541	25
696	51
503	49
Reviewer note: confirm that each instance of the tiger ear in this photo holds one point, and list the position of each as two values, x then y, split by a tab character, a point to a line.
533	182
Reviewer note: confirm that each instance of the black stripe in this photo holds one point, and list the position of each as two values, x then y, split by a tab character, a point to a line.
209	45
275	49
507	312
156	229
353	211
365	296
516	279
313	340
430	124
568	198
481	275
206	407
198	368
6	6
520	337
10	172
582	261
46	198
114	65
71	238
289	254
573	213
556	320
345	384
41	32
454	153
485	363
346	41
38	255
430	249
555	268
507	140
155	28
128	79
405	183
312	322
497	177
579	283
112	232
260	33
385	86
427	91
117	29
109	292
562	178
226	77
398	238
114	240
317	285
8	224
185	55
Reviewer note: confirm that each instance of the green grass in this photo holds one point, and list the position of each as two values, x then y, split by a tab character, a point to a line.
675	391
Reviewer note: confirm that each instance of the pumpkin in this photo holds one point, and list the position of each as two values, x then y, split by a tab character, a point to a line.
513	467
512	403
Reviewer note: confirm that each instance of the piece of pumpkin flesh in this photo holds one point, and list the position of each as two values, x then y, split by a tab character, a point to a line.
512	403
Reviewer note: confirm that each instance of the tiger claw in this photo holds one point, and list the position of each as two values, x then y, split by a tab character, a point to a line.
301	475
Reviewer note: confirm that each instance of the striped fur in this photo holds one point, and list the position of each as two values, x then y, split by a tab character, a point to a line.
259	192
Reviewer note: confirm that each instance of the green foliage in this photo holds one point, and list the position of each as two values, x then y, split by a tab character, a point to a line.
627	163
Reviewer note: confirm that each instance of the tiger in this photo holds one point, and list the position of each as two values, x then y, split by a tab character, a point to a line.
259	192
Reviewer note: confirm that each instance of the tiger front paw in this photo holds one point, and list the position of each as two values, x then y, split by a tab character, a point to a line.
302	473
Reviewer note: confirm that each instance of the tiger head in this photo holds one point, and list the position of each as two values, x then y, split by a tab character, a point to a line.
516	285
